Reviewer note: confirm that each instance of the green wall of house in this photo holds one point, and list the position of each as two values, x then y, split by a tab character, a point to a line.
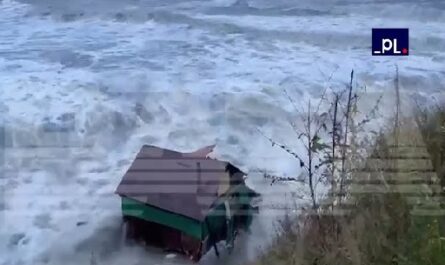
137	209
215	221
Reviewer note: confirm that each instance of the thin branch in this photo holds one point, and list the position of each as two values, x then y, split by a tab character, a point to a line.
334	142
331	75
397	88
345	139
321	100
285	148
277	178
293	103
372	112
310	157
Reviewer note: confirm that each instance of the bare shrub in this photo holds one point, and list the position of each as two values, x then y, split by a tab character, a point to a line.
373	228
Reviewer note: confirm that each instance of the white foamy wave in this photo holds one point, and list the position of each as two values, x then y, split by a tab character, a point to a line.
84	84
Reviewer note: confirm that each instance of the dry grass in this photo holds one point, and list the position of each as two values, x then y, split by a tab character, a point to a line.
431	121
340	239
377	228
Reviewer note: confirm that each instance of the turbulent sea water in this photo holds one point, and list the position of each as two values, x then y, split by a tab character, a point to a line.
85	83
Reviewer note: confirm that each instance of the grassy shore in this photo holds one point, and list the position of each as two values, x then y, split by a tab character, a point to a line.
400	221
432	124
375	227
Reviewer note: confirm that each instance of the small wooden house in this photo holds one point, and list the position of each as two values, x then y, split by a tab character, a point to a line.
185	202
